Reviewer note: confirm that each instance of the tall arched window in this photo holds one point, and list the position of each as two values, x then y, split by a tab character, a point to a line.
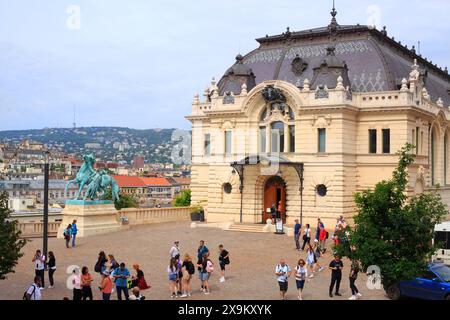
276	129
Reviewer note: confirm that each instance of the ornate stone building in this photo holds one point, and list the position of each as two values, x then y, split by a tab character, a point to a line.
311	117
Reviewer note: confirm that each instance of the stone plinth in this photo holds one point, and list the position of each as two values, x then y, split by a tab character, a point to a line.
93	217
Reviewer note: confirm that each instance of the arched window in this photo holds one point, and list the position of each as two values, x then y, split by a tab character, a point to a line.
276	129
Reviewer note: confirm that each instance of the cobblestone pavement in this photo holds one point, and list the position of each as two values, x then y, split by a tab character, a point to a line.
249	276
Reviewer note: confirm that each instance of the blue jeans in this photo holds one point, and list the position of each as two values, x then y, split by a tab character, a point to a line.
73	240
119	292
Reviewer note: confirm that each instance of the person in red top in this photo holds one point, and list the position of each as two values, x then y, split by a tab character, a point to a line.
106	286
86	281
322	238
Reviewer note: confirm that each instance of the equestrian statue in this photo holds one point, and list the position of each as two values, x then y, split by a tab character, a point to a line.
96	181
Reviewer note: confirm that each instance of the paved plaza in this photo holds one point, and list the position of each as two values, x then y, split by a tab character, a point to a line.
249	276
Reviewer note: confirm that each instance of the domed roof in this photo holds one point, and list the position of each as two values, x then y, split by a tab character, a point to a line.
374	61
236	76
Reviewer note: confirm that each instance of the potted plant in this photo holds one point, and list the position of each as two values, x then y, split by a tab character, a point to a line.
197	213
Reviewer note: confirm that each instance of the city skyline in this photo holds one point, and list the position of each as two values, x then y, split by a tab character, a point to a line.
150	59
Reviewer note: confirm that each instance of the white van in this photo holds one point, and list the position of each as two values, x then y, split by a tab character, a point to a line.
442	235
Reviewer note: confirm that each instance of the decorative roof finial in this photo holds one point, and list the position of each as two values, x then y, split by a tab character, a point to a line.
333	15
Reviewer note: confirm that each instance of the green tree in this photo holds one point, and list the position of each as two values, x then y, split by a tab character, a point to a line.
183	199
10	242
391	230
125	200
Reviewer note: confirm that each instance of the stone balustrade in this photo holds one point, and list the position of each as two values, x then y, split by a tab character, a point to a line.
138	216
135	216
35	229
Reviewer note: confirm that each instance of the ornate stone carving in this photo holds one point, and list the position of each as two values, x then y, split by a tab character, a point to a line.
322	92
272	94
228	98
321	121
298	66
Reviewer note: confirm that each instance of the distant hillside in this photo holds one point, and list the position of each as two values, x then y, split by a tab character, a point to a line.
107	143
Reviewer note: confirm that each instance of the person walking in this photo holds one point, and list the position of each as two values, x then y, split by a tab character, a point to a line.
86	281
106	285
175	250
336	267
188	269
121	274
297	229
73	232
310	259
273	213
51	268
306	236
354	270
322	239
319	226
67	234
301	273
76	281
34	291
283	272
172	270
224	259
39	267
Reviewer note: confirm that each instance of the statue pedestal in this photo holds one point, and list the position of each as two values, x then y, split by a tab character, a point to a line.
93	217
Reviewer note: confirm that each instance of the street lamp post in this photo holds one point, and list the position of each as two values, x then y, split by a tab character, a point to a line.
46	177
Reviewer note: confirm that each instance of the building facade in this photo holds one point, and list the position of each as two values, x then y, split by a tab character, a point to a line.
311	117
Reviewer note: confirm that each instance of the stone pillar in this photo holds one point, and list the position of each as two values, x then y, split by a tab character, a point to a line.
287	138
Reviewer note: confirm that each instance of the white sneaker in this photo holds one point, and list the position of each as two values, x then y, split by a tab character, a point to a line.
184	295
352	298
189	294
50	287
207	292
222	279
359	295
320	269
311	276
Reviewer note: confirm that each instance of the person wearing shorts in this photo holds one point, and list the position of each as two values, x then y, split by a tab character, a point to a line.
224	259
283	272
301	272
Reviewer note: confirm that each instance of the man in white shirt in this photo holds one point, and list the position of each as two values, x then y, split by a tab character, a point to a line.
34	292
39	267
175	250
283	272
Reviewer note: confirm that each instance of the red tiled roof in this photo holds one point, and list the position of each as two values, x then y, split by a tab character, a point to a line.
129	181
182	180
156	182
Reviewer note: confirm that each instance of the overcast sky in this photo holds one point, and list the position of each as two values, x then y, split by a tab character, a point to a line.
138	63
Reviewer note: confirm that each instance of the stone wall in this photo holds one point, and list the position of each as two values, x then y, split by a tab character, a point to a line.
155	215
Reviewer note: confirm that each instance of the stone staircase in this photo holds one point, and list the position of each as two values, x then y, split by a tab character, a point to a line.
243	227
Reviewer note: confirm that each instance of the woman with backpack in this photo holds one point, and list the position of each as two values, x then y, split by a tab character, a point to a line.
100	265
188	270
207	270
172	270
113	264
66	233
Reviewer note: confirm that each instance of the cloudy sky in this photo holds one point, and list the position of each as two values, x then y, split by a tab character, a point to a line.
138	63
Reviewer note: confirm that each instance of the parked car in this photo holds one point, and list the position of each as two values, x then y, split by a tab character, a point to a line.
433	285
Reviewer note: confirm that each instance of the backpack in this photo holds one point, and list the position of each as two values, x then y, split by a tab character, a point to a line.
97	267
32	293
